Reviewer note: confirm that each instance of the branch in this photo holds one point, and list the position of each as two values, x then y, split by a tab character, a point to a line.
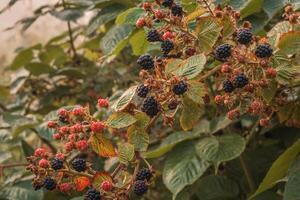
75	173
248	174
209	73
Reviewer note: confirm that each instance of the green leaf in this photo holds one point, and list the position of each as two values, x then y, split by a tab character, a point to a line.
216	187
138	137
125	99
220	149
71	72
289	43
27	149
182	168
251	7
277	30
190	114
228	27
292	187
191	67
126	153
116	38
4	93
52	52
173	65
129	16
189	5
120	120
142	120
169	142
22	59
196	91
107	14
37	69
279	168
269	92
208	31
69	14
138	42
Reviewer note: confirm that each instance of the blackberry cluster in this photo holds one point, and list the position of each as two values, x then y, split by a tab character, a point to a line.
263	51
176	10
92	194
57	164
223	51
50	183
144	174
241	81
142	90
167	3
153	36
79	164
140	188
244	36
150	106
167	46
180	88
228	86
146	62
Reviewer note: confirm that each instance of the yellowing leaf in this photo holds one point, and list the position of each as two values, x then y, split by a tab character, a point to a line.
81	183
138	42
190	114
102	145
198	12
196	91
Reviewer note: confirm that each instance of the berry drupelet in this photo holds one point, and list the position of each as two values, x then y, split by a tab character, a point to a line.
57	163
167	46
176	10
167	3
263	51
92	194
79	164
140	188
142	90
150	106
50	183
241	81
223	52
144	174
146	62
244	36
153	36
228	86
180	88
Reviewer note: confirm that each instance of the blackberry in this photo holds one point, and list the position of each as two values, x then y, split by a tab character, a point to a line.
50	183
150	106
92	194
79	164
144	174
153	36
63	119
146	62
222	52
263	51
176	10
140	187
228	86
180	88
244	36
167	46
57	164
241	81
167	3
142	90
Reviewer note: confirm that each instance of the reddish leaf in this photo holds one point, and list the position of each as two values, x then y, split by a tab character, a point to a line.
100	177
81	183
102	146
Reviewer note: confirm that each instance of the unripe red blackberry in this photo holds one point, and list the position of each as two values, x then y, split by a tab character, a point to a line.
81	145
97	126
147	5
51	124
150	106
44	163
63	112
218	99
159	14
40	152
167	46
146	62
228	86
140	188
79	164
153	36
57	164
264	122
225	68
263	51
92	194
180	88
142	90
143	174
271	72
233	114
65	187
176	10
106	185
49	183
241	81
244	36
168	35
222	52
140	23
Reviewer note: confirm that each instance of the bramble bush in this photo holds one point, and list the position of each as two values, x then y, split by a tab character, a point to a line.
160	99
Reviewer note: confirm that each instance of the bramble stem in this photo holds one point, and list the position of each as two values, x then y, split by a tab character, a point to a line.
248	174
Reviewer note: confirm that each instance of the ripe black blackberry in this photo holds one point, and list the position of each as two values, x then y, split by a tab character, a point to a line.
153	36
180	88
143	174
167	3
50	183
150	106
244	36
241	81
142	90
92	194
222	52
228	86
57	164
263	51
146	62
167	46
176	10
79	164
140	187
